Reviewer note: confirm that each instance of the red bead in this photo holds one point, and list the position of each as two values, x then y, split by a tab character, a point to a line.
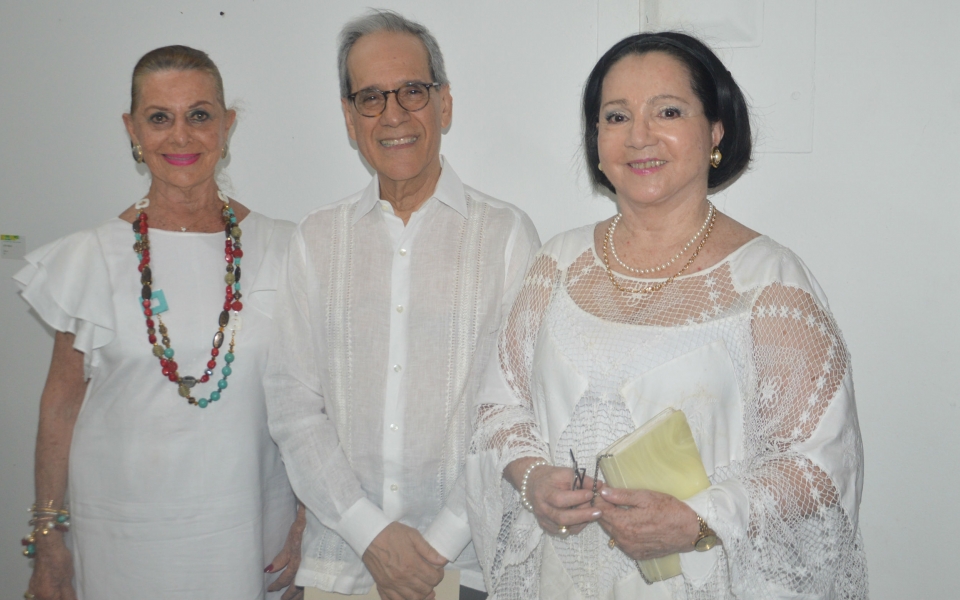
229	242
214	352
143	227
164	363
148	312
228	258
150	323
229	290
204	379
152	339
143	216
165	371
226	305
211	364
146	303
173	377
238	253
237	306
173	365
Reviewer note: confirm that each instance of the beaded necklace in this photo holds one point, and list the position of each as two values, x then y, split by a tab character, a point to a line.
233	252
608	242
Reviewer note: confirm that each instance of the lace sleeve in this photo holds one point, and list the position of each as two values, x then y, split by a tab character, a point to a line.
803	468
505	429
506	424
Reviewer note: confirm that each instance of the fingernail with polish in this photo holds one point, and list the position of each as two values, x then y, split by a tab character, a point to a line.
268	569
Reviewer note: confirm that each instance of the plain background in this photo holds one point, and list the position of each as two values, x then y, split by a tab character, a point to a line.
860	180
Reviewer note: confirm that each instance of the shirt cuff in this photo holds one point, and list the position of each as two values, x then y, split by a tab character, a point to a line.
448	534
361	524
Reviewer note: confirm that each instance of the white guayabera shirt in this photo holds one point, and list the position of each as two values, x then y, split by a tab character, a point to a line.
382	333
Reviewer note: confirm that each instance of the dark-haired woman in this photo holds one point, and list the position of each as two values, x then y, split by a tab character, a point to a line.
152	420
670	303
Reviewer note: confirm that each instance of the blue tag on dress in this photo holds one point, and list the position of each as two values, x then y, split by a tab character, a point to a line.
158	302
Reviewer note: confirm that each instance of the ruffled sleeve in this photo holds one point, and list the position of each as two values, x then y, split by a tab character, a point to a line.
275	235
68	284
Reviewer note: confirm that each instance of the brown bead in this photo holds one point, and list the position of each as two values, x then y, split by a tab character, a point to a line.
157	350
146	292
146	277
224	319
218	339
163	329
235	232
166	341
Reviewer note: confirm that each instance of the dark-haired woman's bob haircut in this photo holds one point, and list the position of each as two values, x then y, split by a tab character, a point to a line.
712	83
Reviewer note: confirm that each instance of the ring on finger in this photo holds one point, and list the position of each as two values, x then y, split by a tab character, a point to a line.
563	530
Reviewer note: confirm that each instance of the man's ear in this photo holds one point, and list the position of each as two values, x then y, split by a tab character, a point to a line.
348	118
446	106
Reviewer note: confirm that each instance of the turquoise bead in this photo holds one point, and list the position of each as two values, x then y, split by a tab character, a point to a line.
139	236
214	396
222	384
202	402
236	262
236	286
228	357
233	219
226	371
168	352
61	518
32	549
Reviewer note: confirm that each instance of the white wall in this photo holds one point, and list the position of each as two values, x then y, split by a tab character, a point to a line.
871	208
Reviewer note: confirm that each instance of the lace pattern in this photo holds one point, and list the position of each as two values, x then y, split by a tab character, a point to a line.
776	445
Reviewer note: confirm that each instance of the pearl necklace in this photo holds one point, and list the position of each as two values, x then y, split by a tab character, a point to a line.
232	254
696	236
608	242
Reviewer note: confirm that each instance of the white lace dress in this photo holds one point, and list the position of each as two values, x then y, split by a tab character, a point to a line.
749	351
168	500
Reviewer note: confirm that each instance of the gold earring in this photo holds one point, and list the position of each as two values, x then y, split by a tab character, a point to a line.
137	151
223	152
600	166
715	157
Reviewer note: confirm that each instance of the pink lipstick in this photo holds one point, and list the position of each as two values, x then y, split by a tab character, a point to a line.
181	160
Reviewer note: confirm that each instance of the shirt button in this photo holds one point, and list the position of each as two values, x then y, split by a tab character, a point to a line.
400	308
394	427
394	487
384	207
403	251
397	368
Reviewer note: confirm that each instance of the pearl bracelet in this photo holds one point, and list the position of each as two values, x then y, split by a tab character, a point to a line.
523	483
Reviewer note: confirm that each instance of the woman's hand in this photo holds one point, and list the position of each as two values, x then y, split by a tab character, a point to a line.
555	503
52	577
288	560
647	524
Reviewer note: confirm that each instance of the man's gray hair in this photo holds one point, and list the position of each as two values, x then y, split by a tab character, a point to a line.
386	20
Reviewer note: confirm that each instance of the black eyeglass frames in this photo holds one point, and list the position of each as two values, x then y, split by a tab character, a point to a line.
412	97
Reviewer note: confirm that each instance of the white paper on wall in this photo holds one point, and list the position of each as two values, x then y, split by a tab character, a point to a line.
770	49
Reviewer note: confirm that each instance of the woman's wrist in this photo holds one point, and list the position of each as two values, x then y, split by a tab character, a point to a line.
514	471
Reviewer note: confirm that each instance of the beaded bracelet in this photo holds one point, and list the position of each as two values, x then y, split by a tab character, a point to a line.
44	521
523	483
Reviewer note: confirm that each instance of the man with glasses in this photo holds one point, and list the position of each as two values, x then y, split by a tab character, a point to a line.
388	310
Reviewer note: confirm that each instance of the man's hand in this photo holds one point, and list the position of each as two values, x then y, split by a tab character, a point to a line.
403	564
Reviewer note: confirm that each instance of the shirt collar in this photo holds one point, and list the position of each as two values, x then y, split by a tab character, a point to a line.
449	191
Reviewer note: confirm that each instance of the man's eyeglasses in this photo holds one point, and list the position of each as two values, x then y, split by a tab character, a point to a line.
371	102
